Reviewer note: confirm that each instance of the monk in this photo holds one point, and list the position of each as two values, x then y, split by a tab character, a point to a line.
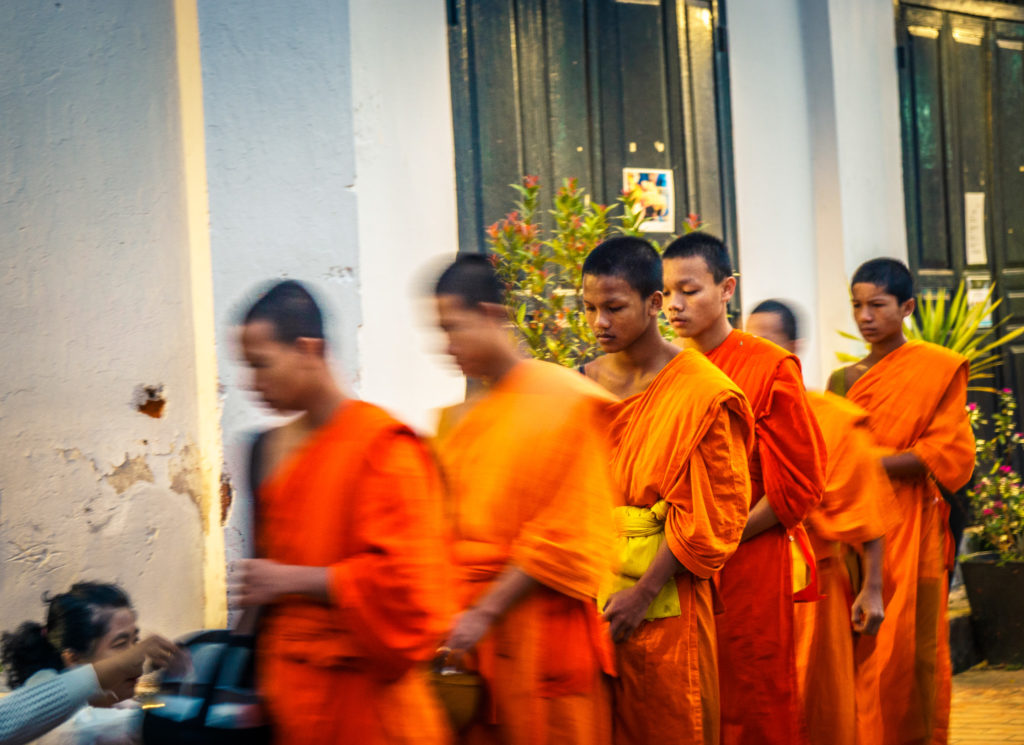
526	464
352	578
681	437
847	525
757	658
915	394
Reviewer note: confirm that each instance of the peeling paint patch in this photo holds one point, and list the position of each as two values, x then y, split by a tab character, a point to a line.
343	273
186	478
226	496
131	471
33	554
149	400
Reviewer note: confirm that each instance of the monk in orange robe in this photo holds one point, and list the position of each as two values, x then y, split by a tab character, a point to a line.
915	394
526	464
681	437
353	577
836	703
756	652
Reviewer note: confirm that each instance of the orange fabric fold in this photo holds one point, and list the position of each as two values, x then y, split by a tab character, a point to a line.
915	398
857	491
529	486
757	663
362	497
685	439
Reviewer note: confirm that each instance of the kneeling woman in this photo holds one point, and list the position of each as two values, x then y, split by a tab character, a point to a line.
86	624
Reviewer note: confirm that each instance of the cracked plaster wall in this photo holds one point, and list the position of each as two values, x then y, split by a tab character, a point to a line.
95	297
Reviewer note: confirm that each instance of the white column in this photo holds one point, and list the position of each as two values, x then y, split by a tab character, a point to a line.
279	153
405	192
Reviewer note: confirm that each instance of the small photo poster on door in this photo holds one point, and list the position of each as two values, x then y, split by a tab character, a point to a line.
655	194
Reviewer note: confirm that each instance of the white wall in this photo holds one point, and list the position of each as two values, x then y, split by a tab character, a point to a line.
330	160
405	192
280	171
816	132
774	181
868	150
95	297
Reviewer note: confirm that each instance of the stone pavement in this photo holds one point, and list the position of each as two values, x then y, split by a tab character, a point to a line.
988	707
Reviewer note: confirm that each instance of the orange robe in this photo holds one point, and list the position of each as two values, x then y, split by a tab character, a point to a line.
756	655
361	496
685	440
856	492
915	398
529	485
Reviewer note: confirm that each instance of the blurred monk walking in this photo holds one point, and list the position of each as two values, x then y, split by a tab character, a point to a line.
526	465
681	437
354	579
846	532
756	653
915	394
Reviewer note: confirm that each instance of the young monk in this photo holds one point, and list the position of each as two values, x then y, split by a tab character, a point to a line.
681	437
757	659
354	581
839	708
915	394
531	496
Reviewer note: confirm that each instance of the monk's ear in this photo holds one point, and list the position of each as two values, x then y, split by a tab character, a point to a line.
728	289
907	308
494	312
655	302
311	346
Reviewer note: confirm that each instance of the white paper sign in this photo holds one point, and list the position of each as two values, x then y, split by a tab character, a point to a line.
974	227
977	293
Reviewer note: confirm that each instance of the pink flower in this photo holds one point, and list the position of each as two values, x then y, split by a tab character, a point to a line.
530	181
998	505
987	512
1005	469
1007	391
972	407
693	221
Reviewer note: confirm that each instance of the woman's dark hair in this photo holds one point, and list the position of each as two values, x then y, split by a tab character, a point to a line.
74	621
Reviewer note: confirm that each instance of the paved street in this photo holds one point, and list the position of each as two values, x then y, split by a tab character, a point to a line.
988	707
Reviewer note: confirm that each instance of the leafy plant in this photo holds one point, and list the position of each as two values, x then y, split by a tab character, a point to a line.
544	272
997	495
958	325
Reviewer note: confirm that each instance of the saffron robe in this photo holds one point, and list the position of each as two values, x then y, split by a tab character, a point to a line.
529	485
756	651
857	491
362	497
915	397
685	440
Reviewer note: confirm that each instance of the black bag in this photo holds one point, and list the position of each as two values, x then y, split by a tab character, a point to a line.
216	702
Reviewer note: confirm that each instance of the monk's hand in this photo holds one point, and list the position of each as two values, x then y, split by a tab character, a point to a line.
625	610
256	582
470	627
868	611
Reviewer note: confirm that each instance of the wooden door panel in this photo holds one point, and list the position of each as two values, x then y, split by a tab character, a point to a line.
583	88
926	163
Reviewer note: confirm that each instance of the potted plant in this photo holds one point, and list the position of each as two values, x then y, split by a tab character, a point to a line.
544	269
994	575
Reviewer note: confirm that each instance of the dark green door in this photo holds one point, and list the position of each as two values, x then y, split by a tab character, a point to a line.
962	105
584	88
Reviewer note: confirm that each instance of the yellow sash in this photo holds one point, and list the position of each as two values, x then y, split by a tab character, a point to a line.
641	531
